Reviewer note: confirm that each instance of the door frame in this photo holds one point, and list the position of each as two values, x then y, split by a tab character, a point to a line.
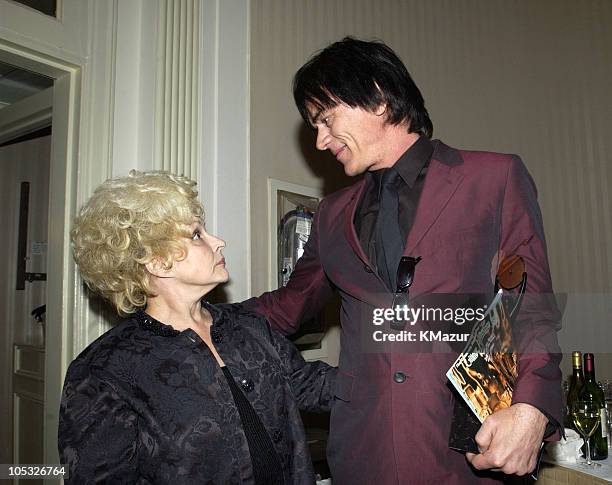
61	297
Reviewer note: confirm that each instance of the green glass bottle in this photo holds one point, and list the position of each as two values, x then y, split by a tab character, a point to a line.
591	391
575	385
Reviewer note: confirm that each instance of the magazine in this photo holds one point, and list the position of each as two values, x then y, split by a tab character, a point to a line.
484	375
485	372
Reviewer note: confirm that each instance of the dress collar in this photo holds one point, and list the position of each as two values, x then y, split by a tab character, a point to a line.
156	327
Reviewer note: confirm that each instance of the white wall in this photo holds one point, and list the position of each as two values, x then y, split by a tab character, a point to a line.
225	172
135	73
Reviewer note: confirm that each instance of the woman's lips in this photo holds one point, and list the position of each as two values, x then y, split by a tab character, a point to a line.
222	262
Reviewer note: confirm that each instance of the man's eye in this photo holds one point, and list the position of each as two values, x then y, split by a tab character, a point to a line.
196	235
327	121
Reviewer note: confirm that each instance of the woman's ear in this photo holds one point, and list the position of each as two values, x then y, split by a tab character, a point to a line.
159	268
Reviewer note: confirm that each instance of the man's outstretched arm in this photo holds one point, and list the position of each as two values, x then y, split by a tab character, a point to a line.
305	295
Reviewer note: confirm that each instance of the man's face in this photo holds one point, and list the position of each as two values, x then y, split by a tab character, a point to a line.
359	139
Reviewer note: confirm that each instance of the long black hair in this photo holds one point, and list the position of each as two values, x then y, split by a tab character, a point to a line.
361	74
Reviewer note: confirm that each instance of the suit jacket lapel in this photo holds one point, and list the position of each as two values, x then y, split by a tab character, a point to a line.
375	295
443	177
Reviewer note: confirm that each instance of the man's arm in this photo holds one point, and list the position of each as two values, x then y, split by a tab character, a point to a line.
306	292
510	439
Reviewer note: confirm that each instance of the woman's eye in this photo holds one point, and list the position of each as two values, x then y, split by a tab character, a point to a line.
196	235
327	121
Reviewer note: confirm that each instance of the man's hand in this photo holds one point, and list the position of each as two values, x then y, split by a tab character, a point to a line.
509	440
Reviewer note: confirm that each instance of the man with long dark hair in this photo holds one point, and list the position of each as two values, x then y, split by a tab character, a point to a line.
455	213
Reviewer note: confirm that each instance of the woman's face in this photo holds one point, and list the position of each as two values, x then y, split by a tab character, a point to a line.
204	265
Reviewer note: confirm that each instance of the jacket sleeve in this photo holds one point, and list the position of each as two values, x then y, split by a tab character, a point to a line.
312	383
306	293
536	326
97	430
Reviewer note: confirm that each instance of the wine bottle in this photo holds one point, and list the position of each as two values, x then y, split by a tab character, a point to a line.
592	392
575	385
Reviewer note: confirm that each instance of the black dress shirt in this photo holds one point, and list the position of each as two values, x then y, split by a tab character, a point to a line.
147	404
412	168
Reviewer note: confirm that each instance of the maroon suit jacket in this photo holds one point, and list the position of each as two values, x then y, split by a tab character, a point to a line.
475	208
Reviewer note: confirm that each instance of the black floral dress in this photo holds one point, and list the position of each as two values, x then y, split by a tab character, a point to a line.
147	404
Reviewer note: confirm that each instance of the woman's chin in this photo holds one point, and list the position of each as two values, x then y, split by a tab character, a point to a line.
223	277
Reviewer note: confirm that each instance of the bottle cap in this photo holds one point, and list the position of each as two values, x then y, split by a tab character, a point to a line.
577	360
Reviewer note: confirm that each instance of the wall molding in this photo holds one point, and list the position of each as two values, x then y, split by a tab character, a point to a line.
177	121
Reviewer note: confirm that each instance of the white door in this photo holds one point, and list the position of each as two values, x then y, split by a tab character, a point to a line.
24	180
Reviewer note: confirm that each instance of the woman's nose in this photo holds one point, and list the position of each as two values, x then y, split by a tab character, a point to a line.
217	242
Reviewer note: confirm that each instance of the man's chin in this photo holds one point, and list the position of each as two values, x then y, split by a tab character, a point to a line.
352	171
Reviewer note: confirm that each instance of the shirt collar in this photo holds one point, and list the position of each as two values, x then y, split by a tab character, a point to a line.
411	163
149	323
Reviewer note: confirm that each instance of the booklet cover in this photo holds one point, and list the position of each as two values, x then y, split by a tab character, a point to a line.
484	375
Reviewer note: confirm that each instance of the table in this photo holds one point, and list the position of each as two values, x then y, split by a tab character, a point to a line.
571	474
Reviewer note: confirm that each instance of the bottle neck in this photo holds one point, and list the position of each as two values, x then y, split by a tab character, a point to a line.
589	368
589	377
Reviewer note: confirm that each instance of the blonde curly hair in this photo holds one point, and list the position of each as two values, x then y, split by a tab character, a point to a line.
127	223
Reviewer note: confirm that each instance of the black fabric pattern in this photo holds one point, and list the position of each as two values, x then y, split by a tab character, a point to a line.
146	404
266	465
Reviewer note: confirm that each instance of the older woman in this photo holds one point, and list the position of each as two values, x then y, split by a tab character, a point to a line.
181	391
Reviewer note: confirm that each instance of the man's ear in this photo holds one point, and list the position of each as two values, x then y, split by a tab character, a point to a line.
381	110
159	268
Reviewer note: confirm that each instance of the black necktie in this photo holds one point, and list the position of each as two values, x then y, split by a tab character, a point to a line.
389	244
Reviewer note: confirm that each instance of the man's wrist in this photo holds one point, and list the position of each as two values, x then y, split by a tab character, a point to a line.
552	425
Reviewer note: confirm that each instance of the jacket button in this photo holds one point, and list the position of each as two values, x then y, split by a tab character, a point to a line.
276	435
399	377
367	269
247	385
216	335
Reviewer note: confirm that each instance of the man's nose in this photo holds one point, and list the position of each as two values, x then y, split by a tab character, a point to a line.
323	138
